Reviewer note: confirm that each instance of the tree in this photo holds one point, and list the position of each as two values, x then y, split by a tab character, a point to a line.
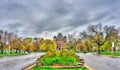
77	45
5	36
1	43
10	39
16	43
89	45
86	39
100	36
71	42
96	34
113	35
36	43
27	44
48	45
106	46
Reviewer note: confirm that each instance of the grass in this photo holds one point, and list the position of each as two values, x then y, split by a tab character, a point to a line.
43	68
58	60
11	54
110	53
59	57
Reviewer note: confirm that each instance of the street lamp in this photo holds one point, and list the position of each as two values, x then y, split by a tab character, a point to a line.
112	48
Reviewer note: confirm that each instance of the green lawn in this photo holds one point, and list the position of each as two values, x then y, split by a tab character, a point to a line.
12	54
59	57
41	68
109	53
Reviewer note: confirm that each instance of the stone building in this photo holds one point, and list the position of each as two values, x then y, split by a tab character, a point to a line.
60	41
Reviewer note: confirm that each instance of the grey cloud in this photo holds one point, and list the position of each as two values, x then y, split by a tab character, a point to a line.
54	15
14	25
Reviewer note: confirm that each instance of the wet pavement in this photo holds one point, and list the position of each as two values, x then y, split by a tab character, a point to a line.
101	62
18	62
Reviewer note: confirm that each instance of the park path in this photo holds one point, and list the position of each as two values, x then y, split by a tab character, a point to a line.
101	62
18	62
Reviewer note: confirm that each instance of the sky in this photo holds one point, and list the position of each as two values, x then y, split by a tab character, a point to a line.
35	17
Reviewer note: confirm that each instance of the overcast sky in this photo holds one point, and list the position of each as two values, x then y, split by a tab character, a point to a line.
31	17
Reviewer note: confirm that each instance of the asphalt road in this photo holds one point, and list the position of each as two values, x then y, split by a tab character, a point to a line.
101	62
95	62
18	62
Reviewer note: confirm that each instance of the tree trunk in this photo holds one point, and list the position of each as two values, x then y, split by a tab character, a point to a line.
88	50
37	48
19	50
98	49
28	51
114	50
16	50
24	51
2	50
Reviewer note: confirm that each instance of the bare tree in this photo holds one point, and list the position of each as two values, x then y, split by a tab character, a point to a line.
71	38
85	37
97	35
10	39
113	35
5	38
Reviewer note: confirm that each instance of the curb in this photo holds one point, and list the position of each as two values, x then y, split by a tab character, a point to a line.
108	56
29	67
111	56
115	56
32	65
88	67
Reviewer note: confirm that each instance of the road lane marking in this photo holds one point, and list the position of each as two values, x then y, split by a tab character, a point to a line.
88	67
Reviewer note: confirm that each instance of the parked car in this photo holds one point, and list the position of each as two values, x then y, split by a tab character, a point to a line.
85	52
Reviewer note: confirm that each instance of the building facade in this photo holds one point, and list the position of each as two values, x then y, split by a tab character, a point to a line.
60	41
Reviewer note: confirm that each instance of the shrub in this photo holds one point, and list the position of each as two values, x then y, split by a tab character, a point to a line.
59	57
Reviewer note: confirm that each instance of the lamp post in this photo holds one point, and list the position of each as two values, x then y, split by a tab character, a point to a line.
112	48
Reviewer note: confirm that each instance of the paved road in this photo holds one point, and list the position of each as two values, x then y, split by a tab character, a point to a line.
18	62
101	62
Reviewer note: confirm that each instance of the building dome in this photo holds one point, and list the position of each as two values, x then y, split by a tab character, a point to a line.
60	36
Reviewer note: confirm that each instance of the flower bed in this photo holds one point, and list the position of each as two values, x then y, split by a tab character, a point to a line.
60	59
